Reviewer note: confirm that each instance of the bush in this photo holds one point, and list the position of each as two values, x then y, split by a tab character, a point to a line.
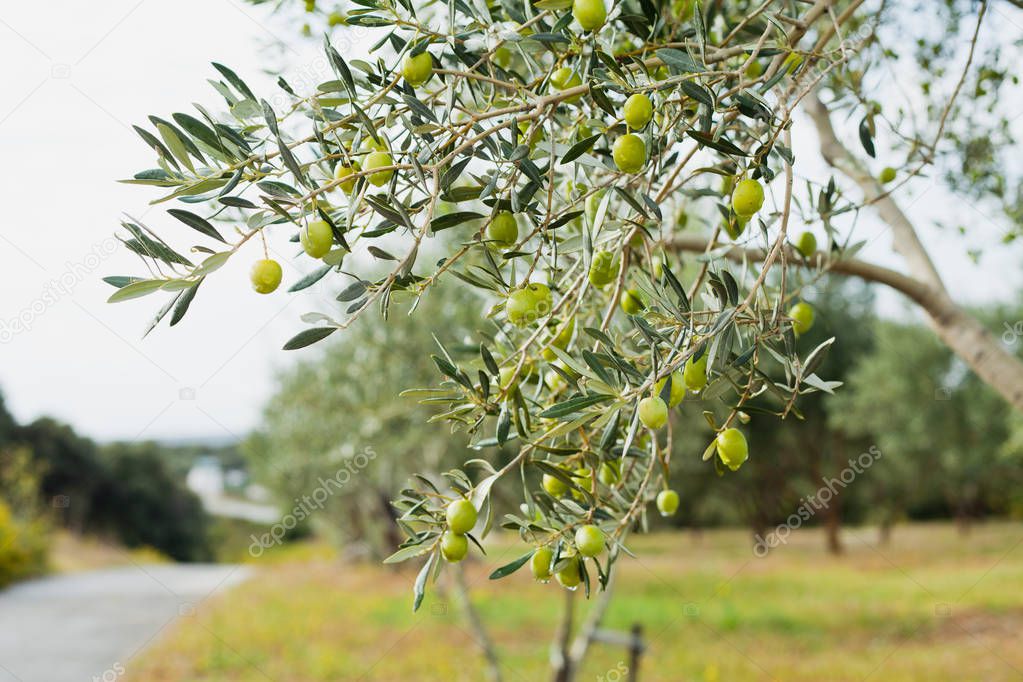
145	505
25	535
24	547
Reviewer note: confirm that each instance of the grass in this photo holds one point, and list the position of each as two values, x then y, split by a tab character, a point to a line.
932	606
73	553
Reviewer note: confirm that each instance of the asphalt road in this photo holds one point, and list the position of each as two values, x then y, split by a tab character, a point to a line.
88	626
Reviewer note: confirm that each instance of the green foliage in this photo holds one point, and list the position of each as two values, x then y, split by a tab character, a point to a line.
338	415
23	547
145	505
521	112
135	493
25	532
943	432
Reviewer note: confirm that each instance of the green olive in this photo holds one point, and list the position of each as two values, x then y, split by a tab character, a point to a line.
653	412
265	275
747	197
418	69
638	111
629	153
731	448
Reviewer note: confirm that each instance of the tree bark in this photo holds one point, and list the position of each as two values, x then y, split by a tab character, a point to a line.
475	623
561	661
833	511
884	531
581	644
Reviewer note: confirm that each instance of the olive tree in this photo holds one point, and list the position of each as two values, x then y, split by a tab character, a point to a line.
621	184
336	424
944	433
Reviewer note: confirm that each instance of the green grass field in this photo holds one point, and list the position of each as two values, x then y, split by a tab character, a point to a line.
930	606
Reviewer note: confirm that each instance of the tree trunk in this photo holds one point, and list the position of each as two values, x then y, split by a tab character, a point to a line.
959	330
884	531
833	527
475	623
964	523
833	510
588	630
561	661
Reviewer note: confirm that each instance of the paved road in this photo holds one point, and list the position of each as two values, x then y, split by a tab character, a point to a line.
87	626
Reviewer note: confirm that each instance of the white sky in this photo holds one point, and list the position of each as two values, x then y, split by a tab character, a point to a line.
77	75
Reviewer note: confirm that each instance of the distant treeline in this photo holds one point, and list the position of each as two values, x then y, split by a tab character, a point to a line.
131	493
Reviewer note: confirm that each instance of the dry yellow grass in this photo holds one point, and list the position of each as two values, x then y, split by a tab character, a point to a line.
74	553
932	606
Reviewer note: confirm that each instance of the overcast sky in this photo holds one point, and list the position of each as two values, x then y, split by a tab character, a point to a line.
77	75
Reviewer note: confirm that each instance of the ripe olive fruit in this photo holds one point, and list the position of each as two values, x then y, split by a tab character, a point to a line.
695	373
527	305
609	473
265	275
461	516
629	153
554	485
418	69
603	269
565	78
667	502
589	540
316	238
887	175
341	172
638	111
802	317
540	563
570	576
806	244
747	197
678	388
374	144
453	546
503	229
561	339
504	379
379	159
542	296
653	412
591	14
632	303
732	448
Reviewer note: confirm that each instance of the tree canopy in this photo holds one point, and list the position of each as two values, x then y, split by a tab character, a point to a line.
621	187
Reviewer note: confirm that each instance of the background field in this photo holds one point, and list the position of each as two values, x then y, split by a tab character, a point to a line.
933	605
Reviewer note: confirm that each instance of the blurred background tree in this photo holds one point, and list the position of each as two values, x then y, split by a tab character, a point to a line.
143	504
25	529
344	402
942	432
